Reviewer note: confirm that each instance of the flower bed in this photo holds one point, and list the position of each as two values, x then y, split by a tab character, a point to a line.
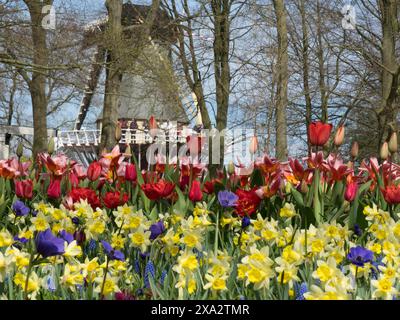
304	229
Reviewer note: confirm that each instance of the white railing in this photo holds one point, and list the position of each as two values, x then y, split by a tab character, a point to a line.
85	137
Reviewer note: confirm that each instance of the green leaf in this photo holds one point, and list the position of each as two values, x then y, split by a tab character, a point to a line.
256	178
298	197
354	208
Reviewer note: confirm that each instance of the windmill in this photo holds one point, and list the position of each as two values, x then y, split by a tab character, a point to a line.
144	93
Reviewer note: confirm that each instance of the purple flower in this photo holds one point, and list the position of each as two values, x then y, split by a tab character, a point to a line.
66	236
49	245
156	229
300	290
245	222
359	256
75	220
357	230
227	199
20	208
111	253
21	240
80	236
144	255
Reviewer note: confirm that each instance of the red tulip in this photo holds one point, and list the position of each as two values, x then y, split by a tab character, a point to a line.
247	203
94	171
392	194
87	194
319	133
73	179
152	123
209	186
112	200
156	191
24	189
351	191
54	190
130	172
195	193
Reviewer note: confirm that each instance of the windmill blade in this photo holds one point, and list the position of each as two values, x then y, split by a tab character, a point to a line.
93	79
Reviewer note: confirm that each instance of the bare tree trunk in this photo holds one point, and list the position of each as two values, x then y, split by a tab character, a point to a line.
387	113
10	112
190	67
113	75
282	71
321	67
37	85
306	85
221	9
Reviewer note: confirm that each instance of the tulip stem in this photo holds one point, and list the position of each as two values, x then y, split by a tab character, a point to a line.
316	202
216	234
104	280
28	273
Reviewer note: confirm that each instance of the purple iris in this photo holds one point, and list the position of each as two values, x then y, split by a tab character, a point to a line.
227	199
20	208
111	253
245	222
49	245
66	236
359	256
156	229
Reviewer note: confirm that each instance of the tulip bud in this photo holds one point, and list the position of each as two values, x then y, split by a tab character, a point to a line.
130	172
20	150
128	150
152	123
303	187
351	191
288	188
231	168
253	145
199	119
153	126
94	171
51	146
118	132
80	237
393	146
384	151
339	136
354	149
195	193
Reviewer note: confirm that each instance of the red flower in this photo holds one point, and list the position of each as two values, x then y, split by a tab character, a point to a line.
152	123
247	203
24	189
155	191
351	191
87	194
94	171
54	190
209	186
319	132
130	172
73	179
392	194
195	193
112	199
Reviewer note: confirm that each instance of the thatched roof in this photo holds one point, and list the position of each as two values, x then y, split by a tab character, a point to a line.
163	29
